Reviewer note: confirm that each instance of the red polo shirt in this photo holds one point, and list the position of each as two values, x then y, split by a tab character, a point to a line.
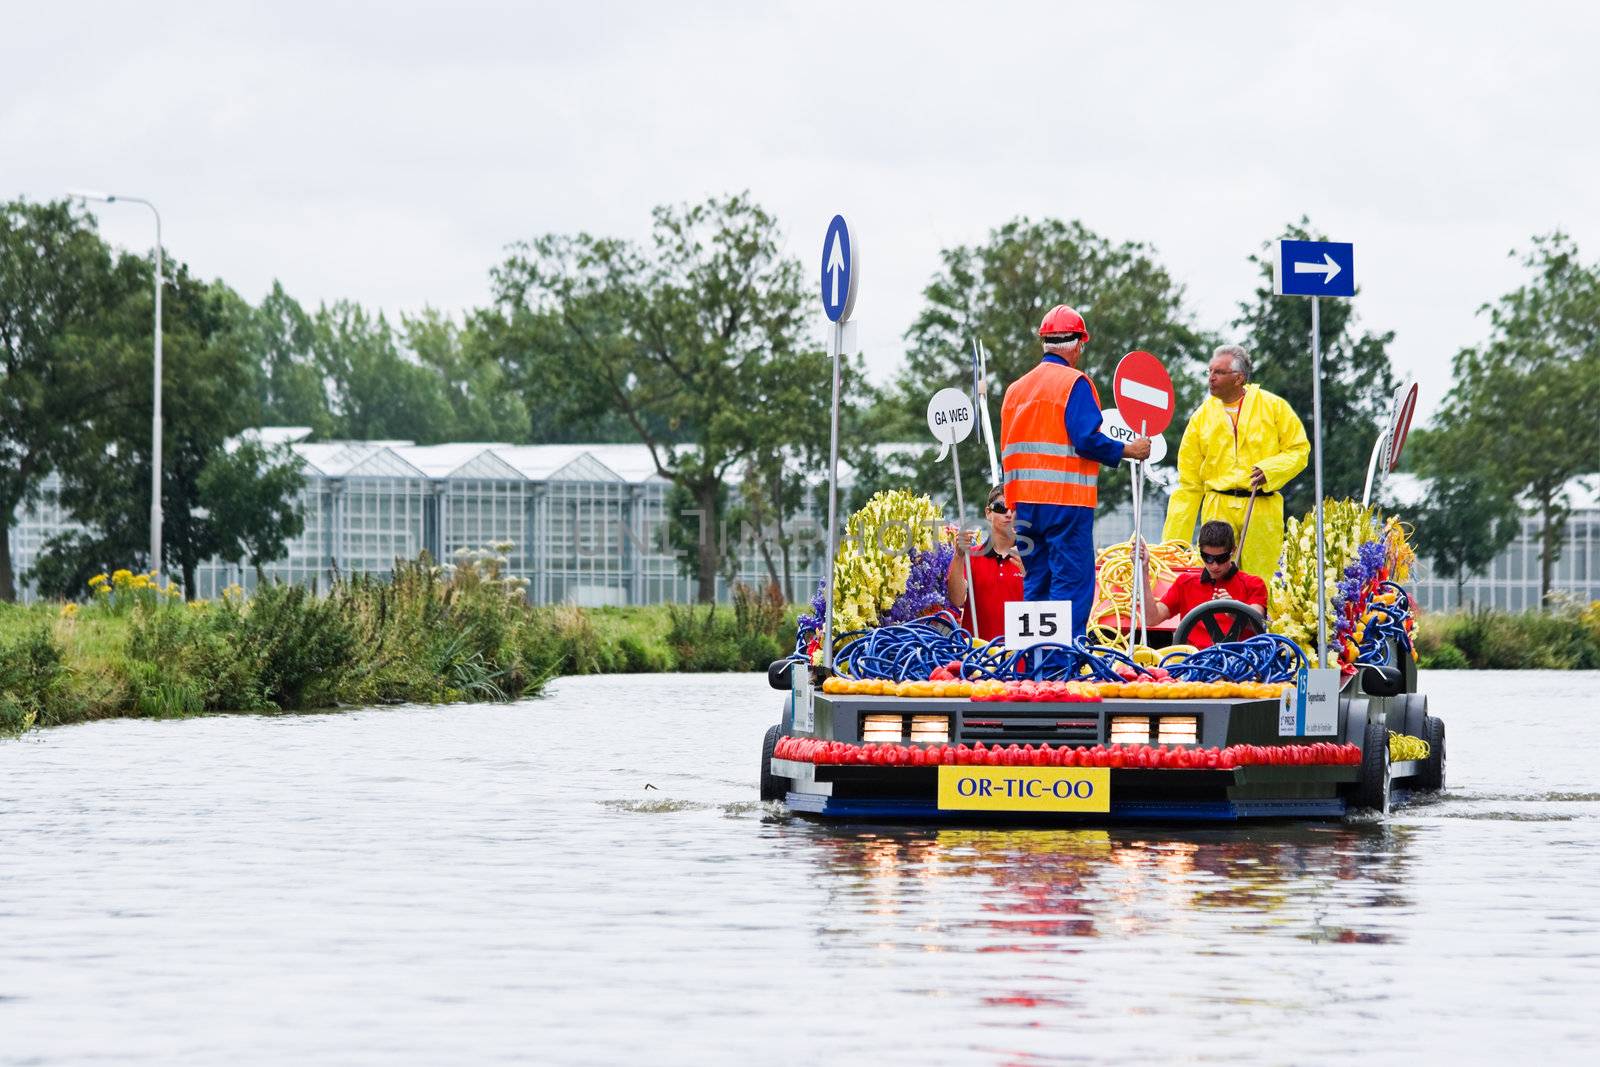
995	580
1191	590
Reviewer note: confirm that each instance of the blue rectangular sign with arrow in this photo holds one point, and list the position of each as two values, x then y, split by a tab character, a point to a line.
1314	268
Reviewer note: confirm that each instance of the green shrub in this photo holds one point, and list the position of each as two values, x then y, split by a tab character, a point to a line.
31	676
300	642
747	640
1533	640
1442	656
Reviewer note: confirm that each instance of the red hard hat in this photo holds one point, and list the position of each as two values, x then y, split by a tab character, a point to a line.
1062	319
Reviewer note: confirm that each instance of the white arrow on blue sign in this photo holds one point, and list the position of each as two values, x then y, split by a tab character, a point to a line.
840	259
1314	268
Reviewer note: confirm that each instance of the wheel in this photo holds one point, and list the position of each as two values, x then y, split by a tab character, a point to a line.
773	787
1432	776
1372	793
1245	620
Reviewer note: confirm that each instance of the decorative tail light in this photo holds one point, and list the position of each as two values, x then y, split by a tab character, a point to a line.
882	728
1130	729
931	729
1178	730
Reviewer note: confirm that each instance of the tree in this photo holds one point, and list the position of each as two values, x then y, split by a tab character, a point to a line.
279	339
54	277
1357	382
1465	521
250	495
1527	400
482	405
207	398
999	291
691	339
377	393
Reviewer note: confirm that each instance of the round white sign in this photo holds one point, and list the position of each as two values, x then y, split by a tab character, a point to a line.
1114	426
950	416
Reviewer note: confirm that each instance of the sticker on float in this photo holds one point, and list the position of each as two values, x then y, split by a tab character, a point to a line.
1037	622
805	699
1310	707
1024	789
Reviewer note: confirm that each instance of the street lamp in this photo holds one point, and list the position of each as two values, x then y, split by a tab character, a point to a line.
155	428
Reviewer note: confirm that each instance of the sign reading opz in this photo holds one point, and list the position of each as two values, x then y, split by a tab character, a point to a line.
1025	788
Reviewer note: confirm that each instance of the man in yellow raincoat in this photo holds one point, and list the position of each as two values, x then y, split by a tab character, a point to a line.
1241	437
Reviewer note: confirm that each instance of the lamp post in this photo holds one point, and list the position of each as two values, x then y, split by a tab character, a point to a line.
155	425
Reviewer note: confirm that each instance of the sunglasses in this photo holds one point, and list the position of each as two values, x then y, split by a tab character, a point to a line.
1215	557
999	507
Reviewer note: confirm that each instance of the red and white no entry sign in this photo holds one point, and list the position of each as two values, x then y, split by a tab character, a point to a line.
1144	392
1405	405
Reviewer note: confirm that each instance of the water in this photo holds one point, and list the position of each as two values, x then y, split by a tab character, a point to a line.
588	879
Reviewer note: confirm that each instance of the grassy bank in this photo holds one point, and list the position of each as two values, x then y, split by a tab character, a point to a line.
1564	639
424	635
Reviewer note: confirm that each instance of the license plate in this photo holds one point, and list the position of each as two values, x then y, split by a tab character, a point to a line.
1024	788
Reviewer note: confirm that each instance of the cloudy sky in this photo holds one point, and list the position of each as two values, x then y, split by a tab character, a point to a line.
389	152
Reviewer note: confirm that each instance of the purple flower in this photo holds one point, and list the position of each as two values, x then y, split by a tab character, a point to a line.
925	587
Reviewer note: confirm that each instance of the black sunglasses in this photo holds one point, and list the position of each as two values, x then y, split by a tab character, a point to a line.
1215	557
999	507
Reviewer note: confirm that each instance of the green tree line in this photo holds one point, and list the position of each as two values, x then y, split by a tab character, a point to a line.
700	342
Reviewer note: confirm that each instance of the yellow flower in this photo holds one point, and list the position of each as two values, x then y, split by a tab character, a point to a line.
68	610
98	580
121	576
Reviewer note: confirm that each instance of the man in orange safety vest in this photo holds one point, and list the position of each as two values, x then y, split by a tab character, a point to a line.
1051	449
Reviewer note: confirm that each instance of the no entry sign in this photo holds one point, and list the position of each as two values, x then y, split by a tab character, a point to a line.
1144	392
1405	405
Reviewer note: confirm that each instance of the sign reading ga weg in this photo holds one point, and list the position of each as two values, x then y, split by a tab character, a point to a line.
840	259
1314	268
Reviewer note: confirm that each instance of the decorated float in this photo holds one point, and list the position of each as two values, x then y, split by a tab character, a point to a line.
894	711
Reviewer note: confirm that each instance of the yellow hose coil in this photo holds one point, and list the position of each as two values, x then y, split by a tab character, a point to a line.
1114	587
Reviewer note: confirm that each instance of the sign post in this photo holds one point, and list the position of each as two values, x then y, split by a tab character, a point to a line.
1145	398
980	397
950	420
1311	268
1392	439
840	262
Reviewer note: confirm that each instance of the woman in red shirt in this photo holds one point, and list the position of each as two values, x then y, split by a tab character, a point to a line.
1221	579
996	571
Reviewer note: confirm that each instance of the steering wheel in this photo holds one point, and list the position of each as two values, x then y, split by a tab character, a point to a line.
1246	621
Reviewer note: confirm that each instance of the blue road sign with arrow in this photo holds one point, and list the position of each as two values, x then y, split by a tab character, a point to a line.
1315	268
838	271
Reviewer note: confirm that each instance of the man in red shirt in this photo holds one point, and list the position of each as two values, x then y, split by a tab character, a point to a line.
996	572
1221	579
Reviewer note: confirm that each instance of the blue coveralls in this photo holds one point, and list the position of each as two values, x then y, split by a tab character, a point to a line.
1060	560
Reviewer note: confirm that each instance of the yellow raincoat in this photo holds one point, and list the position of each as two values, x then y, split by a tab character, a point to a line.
1213	458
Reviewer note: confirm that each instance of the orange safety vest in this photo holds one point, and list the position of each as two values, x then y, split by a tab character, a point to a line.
1041	466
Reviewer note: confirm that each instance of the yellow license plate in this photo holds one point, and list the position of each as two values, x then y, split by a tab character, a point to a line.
1025	788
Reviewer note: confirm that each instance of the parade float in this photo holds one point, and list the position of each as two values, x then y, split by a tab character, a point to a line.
894	711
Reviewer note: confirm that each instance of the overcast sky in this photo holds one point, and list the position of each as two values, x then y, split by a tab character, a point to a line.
388	153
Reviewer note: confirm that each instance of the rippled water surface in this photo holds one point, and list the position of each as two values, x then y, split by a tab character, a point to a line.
588	878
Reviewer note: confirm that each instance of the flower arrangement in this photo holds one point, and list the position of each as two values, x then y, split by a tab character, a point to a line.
1294	587
1360	552
891	565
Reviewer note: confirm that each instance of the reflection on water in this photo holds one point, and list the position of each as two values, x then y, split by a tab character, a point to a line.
1041	885
589	879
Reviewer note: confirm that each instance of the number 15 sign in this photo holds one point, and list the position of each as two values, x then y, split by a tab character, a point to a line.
1037	622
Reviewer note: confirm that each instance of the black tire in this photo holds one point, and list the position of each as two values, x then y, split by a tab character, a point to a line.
1372	792
773	787
1432	776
